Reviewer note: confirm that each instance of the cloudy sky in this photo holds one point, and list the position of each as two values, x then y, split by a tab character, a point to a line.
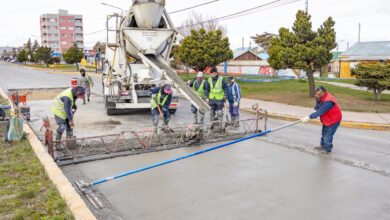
19	19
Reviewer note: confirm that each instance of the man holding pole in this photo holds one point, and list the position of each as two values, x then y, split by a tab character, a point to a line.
330	114
161	99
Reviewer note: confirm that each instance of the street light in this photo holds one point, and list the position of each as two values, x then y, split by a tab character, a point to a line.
112	6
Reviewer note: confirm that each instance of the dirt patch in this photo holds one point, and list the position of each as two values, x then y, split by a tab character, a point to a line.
38	94
109	122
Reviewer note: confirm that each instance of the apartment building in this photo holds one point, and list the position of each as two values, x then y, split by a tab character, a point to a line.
60	31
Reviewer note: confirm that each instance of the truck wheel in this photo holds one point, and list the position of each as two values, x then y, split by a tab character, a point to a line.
172	111
111	111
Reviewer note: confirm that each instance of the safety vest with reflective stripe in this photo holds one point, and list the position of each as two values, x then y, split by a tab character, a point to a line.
200	90
216	91
154	104
59	108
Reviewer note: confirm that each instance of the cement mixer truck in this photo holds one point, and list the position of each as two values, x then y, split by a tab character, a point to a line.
139	43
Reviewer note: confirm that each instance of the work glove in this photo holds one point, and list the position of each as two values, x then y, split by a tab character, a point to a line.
71	124
235	104
154	95
74	108
305	119
207	100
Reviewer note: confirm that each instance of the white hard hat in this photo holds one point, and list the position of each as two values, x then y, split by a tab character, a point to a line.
200	74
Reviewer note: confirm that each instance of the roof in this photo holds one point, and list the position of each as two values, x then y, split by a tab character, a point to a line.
248	63
254	50
336	55
379	50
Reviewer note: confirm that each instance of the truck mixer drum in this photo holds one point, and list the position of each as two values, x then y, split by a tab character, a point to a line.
146	35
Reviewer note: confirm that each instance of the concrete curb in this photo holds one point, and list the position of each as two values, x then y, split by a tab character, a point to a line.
73	200
346	124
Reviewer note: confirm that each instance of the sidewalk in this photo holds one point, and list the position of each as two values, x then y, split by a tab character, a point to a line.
377	121
351	86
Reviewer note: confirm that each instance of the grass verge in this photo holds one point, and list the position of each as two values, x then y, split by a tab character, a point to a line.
295	92
25	190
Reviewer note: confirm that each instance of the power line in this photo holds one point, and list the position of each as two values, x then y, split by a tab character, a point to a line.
195	6
270	6
241	13
95	32
173	12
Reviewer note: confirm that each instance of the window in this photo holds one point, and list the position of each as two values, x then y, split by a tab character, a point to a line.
79	29
71	36
49	35
53	20
70	28
70	20
63	36
63	43
55	35
62	20
63	28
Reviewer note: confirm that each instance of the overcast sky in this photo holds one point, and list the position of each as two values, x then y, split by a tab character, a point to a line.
19	19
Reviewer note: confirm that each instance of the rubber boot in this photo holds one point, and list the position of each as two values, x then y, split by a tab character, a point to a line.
195	119
212	119
166	128
236	121
220	119
58	145
201	119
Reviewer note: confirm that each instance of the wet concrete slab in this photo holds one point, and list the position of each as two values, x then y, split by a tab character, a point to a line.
275	177
250	180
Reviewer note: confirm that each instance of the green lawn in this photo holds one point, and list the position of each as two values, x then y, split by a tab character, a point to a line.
52	66
295	92
25	190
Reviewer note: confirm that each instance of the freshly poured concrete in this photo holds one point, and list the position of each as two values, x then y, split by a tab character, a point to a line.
250	180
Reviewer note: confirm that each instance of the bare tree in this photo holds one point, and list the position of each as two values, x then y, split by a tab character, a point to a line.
196	22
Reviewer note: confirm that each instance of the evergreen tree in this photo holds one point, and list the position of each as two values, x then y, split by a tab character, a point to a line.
303	48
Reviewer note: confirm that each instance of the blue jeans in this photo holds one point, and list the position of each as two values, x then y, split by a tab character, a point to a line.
234	110
156	116
327	136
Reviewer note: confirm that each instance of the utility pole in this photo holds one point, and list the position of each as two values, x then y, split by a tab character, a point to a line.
359	33
307	6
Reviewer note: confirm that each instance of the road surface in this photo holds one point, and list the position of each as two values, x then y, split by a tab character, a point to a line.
274	177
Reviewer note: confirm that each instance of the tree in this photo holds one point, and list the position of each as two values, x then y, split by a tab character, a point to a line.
22	56
375	77
43	54
196	22
202	49
73	55
264	40
100	47
34	49
303	48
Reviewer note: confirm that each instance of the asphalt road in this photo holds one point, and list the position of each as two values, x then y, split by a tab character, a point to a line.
274	177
